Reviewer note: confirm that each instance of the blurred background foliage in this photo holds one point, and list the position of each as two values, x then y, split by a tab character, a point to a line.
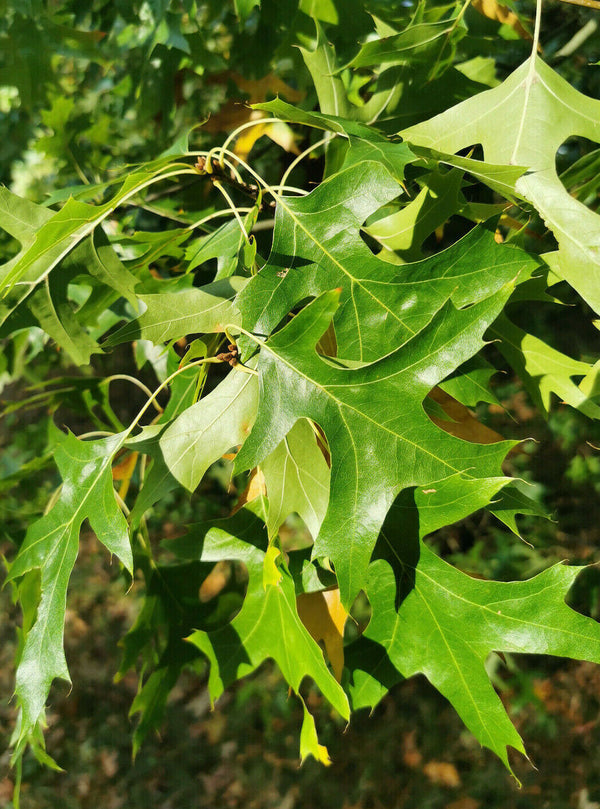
89	86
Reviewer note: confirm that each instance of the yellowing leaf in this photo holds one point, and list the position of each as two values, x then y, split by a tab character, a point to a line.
123	472
524	121
324	616
280	133
236	112
496	11
309	742
256	487
271	573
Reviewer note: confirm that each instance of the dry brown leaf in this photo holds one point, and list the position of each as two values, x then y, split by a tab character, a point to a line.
464	803
411	755
463	423
443	773
324	616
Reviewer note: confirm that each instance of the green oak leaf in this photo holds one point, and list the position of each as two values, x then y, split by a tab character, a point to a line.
416	43
226	244
297	479
523	122
268	625
48	305
59	234
426	634
51	545
321	63
170	611
500	178
243	8
206	430
379	437
366	143
542	369
403	232
470	384
171	315
317	246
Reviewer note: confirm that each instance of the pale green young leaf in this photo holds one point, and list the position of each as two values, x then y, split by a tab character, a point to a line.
297	479
205	431
523	122
309	741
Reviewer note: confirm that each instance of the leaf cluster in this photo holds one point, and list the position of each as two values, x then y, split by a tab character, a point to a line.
321	300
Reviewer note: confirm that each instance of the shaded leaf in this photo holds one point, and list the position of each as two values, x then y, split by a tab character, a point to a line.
267	626
543	369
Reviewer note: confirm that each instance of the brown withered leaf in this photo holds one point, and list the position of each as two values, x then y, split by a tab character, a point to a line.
443	773
324	616
462	423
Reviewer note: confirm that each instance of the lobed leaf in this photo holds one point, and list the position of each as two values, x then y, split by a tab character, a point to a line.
51	545
523	122
380	439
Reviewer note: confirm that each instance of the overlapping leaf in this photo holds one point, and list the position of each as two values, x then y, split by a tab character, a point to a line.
379	437
48	305
543	369
523	122
58	234
317	246
268	625
297	479
206	430
170	315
